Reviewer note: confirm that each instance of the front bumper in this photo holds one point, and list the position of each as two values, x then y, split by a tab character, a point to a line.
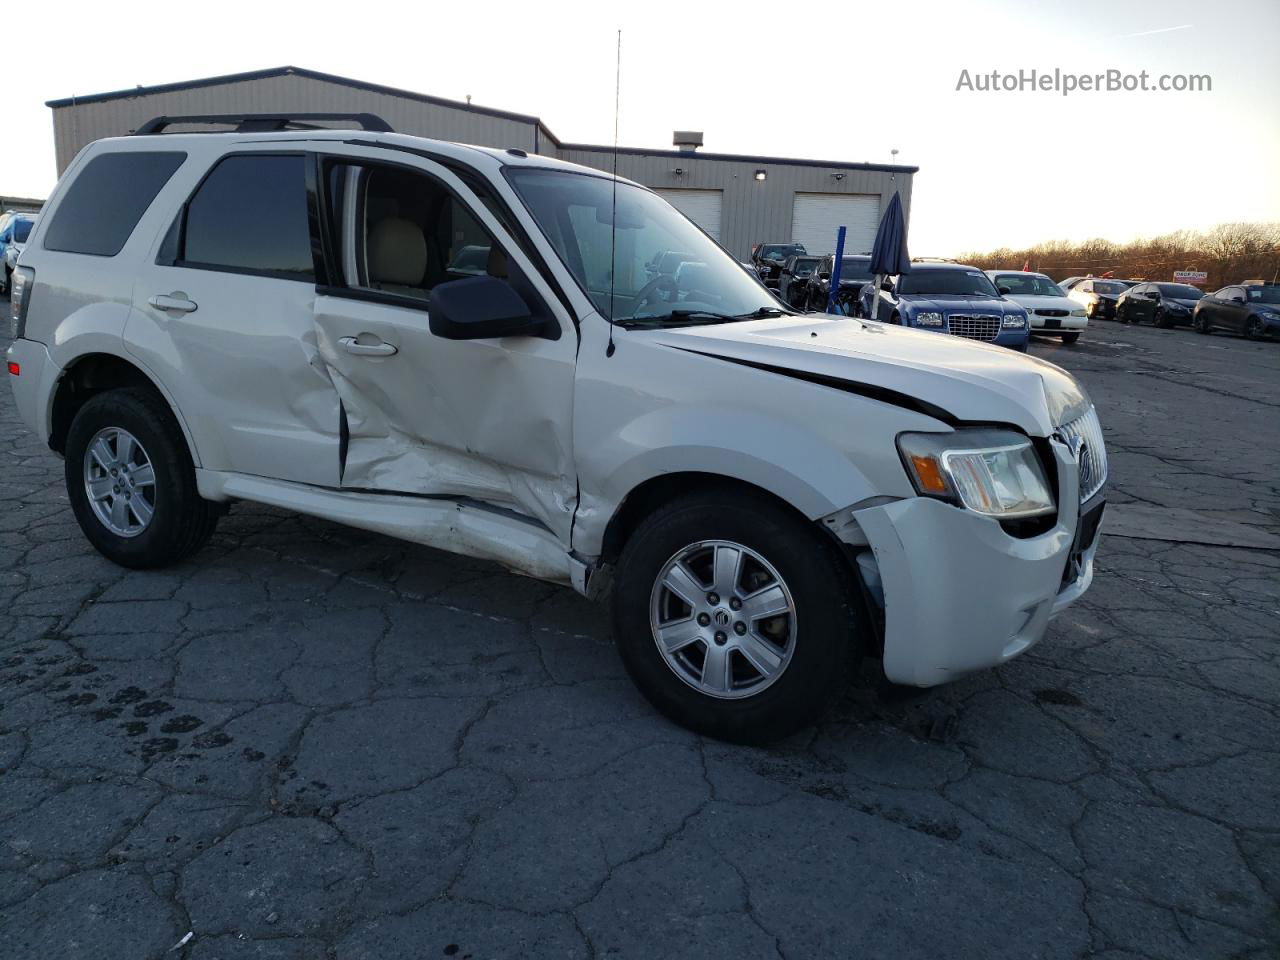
962	595
1101	310
1041	324
33	387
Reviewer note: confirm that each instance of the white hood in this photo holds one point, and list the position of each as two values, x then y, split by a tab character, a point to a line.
1035	302
971	381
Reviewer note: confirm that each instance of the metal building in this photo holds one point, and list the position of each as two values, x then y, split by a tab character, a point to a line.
739	199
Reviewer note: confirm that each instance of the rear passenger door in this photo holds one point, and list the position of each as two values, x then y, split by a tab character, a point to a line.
224	307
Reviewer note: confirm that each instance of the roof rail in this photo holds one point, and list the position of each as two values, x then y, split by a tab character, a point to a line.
266	122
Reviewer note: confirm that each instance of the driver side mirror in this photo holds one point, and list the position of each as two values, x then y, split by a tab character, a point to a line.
480	308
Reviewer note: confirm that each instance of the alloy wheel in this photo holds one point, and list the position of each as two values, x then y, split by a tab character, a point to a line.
723	619
120	482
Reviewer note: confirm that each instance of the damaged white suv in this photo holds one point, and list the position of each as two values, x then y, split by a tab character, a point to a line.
462	347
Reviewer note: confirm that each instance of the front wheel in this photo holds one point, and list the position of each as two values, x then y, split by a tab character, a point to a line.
734	617
131	481
1254	329
1161	320
1201	323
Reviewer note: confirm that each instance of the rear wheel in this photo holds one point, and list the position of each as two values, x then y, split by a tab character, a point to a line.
733	617
1070	337
131	481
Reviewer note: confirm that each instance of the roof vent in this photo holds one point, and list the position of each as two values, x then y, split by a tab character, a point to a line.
687	141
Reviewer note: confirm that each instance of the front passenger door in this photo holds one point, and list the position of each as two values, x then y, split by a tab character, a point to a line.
480	419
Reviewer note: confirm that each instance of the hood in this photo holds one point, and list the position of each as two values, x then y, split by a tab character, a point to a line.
1182	302
956	303
970	381
1038	302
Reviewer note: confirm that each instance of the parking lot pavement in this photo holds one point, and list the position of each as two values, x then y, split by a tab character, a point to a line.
314	742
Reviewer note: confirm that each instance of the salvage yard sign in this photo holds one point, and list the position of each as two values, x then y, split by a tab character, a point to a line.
1190	276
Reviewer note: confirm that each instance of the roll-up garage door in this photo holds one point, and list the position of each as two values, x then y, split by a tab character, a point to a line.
700	206
816	217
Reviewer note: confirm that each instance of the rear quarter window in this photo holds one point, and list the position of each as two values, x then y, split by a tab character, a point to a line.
107	199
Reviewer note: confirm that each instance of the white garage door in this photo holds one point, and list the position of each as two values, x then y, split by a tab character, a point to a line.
700	206
816	217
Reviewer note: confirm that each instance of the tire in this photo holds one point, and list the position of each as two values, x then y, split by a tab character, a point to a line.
1161	320
180	521
1070	337
1201	324
813	644
1253	329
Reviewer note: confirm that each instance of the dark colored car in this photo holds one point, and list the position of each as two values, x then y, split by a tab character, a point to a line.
1099	296
1252	309
1164	304
951	298
855	273
794	280
769	259
666	262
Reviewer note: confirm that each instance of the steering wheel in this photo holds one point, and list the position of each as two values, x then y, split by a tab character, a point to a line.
653	290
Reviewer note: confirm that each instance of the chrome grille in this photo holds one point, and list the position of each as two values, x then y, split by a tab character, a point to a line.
1050	312
974	326
1084	435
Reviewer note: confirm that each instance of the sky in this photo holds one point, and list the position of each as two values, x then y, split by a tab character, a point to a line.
997	168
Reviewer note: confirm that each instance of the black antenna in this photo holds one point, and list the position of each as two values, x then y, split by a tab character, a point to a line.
613	220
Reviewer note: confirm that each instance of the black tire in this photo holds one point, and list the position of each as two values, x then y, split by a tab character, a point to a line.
1070	337
182	521
826	636
1161	320
1253	329
1201	324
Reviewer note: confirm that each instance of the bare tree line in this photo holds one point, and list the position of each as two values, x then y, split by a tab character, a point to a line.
1229	253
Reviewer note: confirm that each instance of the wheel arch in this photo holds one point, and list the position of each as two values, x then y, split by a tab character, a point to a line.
92	373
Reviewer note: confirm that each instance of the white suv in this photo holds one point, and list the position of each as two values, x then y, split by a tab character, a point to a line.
279	316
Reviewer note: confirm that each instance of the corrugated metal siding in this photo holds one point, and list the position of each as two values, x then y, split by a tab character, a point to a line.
752	211
76	126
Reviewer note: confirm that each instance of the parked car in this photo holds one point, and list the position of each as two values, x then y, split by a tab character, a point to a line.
13	239
1049	310
1098	297
1251	309
769	259
1070	282
666	262
763	496
947	297
855	272
793	281
1163	304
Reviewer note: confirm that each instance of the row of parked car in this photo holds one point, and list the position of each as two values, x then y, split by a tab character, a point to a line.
15	227
1006	306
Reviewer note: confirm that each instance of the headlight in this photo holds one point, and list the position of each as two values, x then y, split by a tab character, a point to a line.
1175	308
1015	320
995	473
1077	313
929	318
1269	316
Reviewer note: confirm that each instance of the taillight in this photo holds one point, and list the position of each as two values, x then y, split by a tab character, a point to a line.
20	284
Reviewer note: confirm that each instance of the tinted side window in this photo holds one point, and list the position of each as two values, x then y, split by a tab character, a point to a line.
106	201
250	214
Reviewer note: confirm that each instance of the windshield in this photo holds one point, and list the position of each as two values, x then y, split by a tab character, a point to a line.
22	230
1180	291
1028	285
1112	288
575	211
780	251
1263	294
855	270
973	283
805	264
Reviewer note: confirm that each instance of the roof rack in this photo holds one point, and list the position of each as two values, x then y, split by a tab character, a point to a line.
266	122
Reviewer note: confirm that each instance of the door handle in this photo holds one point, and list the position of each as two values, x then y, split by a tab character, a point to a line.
176	302
379	349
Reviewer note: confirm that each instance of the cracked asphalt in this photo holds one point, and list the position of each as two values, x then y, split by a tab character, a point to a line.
313	742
